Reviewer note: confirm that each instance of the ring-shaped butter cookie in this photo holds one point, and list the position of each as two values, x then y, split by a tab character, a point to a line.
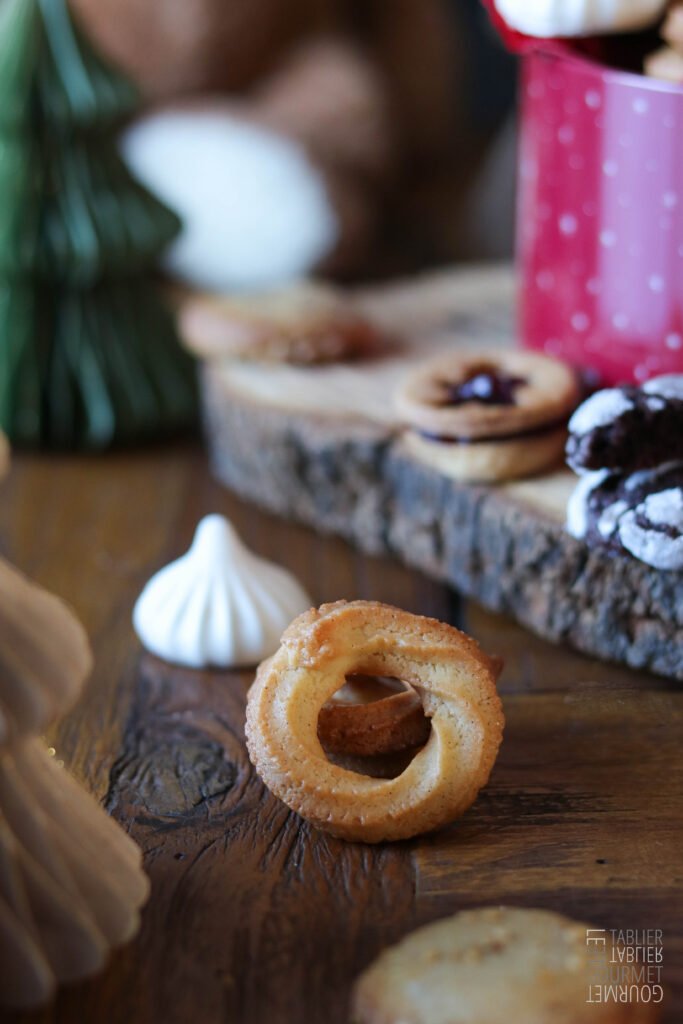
455	681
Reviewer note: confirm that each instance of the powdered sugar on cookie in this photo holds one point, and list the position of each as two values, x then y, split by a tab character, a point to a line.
599	410
629	428
653	531
577	506
609	520
669	386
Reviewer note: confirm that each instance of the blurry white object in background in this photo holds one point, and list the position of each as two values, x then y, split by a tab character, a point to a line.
219	604
550	18
255	210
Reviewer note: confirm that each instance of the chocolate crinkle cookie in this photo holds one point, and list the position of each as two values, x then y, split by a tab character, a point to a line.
640	513
628	428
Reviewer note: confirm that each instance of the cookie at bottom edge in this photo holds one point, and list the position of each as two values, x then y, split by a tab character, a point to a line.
497	965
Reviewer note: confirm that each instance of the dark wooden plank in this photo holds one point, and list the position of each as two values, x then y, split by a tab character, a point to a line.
88	529
267	917
582	814
254	917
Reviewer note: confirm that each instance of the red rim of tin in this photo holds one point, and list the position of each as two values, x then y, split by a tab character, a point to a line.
515	41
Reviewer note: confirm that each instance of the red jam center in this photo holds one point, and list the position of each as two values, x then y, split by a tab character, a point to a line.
486	386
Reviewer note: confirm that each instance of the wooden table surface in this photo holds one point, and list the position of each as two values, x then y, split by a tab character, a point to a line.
254	917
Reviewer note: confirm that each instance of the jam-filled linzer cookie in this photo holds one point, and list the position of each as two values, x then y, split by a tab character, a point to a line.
304	323
488	416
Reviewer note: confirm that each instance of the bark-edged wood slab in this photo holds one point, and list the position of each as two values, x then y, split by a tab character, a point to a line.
322	446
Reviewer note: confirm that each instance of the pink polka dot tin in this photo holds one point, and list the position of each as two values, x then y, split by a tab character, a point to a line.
600	213
600	219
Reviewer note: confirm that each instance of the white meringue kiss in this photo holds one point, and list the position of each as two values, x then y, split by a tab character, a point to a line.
219	605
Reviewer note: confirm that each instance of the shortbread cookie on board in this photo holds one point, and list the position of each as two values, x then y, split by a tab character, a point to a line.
306	323
497	965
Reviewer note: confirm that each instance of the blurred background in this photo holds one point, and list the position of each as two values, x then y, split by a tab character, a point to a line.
401	112
238	146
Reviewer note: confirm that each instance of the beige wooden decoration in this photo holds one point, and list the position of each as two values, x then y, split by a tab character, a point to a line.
71	881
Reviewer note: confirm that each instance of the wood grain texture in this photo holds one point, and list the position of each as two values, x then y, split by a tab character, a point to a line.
254	917
323	446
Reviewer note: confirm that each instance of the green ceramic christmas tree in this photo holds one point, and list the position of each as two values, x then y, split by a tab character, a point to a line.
89	356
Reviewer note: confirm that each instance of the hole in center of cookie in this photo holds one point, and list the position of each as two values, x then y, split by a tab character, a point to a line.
485	384
373	725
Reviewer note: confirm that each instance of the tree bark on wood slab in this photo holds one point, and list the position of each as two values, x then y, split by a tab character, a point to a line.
284	438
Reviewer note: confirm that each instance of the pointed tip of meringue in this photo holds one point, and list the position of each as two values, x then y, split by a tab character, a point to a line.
219	604
215	527
214	533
